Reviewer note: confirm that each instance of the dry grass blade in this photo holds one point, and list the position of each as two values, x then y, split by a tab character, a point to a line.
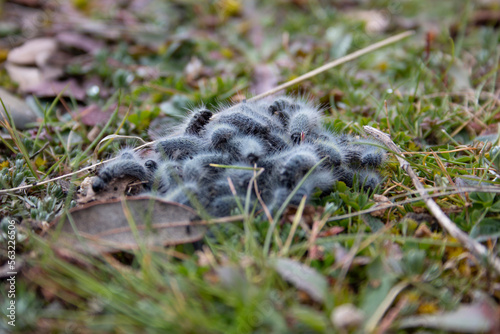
371	324
335	63
472	245
111	137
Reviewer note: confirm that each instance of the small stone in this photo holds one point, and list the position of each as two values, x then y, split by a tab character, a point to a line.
20	112
347	316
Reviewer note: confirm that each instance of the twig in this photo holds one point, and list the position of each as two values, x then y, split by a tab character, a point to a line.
40	150
388	320
472	245
334	63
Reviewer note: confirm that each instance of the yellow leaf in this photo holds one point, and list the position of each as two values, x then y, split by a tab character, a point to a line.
3	54
227	53
464	269
40	161
453	252
383	66
428	308
229	7
413	296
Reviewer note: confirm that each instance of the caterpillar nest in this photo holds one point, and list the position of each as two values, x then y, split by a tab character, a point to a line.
286	138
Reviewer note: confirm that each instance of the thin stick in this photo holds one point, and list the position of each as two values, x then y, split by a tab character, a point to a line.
335	63
295	223
472	245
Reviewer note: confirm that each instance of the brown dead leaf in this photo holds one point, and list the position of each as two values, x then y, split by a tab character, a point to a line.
423	231
93	115
109	226
309	215
53	88
79	41
381	201
264	78
331	231
489	130
487	17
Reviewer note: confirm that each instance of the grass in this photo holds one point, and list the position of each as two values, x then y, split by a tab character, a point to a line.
391	265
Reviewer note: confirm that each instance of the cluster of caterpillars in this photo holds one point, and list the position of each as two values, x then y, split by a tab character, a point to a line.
286	137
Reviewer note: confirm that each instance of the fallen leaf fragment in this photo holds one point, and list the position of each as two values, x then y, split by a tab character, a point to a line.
109	226
303	277
381	201
79	41
53	88
478	317
375	21
33	52
93	115
346	316
264	78
24	76
331	231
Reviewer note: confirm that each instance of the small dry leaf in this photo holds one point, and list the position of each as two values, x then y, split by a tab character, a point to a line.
479	317
375	21
342	257
53	88
93	115
25	77
381	201
423	231
303	277
193	69
79	41
309	215
33	52
331	231
108	226
346	316
264	78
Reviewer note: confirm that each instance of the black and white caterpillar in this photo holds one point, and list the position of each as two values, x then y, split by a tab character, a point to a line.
286	137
